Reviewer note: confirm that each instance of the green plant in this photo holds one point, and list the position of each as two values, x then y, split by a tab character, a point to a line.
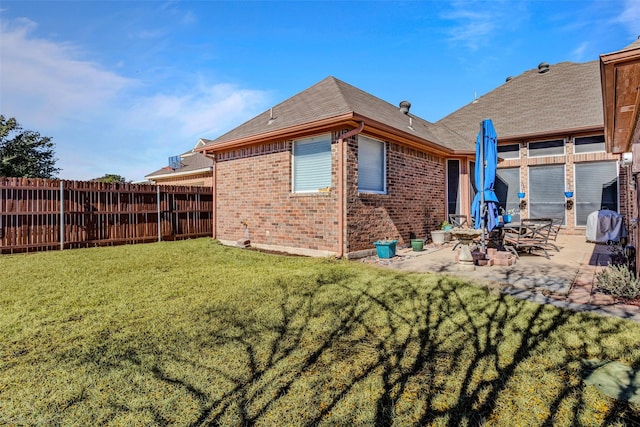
619	281
444	225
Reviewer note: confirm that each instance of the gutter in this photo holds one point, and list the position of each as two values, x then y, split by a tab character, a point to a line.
341	187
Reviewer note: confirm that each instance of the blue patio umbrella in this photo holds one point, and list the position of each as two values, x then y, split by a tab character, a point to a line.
485	204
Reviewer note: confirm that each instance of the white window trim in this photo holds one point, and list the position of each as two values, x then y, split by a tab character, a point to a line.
446	187
564	148
603	150
384	167
293	160
618	188
511	158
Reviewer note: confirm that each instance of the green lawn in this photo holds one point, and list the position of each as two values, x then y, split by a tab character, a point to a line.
194	333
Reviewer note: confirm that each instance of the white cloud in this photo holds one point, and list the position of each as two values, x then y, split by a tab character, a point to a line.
630	17
475	22
99	121
579	52
205	110
48	82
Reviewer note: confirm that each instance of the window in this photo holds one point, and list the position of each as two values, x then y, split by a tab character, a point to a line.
589	144
546	192
546	148
511	151
453	186
371	165
596	188
312	164
507	187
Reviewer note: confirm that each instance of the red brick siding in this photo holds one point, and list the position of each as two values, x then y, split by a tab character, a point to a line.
254	185
413	206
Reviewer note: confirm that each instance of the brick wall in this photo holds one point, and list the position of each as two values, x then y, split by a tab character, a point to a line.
254	187
413	206
569	159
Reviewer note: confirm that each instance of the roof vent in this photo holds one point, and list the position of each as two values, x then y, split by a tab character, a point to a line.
508	78
271	117
543	67
404	107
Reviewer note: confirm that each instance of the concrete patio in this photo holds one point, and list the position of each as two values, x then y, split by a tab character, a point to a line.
565	280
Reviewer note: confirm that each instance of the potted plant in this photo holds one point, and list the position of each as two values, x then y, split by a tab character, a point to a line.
507	215
442	235
385	248
417	244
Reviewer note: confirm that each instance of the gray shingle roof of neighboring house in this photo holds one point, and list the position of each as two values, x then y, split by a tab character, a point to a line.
566	97
332	98
189	162
633	45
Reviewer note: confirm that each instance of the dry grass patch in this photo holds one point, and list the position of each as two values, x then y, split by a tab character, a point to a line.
193	333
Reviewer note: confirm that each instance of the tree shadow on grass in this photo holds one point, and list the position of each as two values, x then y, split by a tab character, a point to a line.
398	349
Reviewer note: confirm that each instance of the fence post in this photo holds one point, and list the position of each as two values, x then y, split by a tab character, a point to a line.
61	215
159	222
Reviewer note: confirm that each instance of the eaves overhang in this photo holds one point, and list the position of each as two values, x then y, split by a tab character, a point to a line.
620	80
290	132
373	128
556	133
184	173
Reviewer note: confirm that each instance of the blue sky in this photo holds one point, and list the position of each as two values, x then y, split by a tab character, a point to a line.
123	85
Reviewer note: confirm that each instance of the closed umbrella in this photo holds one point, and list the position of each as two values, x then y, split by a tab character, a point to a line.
485	204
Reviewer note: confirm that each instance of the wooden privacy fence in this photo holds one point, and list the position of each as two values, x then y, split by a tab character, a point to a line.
42	214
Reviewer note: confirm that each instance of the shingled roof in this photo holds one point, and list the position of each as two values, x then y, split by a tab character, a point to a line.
190	161
333	98
568	96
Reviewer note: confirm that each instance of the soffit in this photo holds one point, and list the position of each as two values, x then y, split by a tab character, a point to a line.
620	73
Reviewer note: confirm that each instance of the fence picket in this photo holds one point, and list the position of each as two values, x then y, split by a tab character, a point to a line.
41	214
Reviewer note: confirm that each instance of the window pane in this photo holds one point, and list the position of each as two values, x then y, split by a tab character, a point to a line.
546	192
589	144
312	164
507	188
511	151
546	148
596	188
453	186
371	168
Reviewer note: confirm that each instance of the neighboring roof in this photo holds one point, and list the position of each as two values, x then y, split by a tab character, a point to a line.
333	98
634	45
190	163
566	97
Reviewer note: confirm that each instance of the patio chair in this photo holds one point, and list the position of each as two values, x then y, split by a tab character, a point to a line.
460	221
556	225
532	234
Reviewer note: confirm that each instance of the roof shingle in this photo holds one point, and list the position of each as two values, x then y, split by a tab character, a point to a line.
568	96
333	98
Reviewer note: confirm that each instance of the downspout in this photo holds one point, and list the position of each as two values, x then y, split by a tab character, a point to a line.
214	208
341	189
